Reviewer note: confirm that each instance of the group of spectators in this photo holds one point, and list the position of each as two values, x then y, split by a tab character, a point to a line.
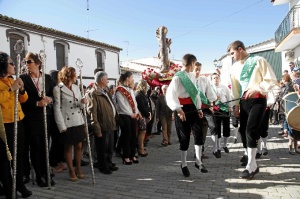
290	82
120	118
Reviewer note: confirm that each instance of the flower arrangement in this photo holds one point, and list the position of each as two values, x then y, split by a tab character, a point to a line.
154	78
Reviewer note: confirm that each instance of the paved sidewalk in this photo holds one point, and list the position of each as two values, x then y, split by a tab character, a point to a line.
159	175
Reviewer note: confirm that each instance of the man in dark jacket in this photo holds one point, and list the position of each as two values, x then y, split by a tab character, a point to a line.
103	116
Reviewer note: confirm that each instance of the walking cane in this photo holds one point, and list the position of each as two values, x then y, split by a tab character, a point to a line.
19	47
79	65
42	57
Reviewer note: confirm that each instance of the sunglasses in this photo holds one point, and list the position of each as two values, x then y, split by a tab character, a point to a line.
28	61
11	63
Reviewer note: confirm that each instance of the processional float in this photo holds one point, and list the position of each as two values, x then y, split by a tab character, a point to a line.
167	68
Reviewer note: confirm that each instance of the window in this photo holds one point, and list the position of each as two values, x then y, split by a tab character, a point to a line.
13	38
62	49
60	56
13	35
100	56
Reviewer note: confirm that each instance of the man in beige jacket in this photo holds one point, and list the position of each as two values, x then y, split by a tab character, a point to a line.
252	77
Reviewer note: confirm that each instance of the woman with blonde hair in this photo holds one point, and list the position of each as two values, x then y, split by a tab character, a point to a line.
143	106
68	103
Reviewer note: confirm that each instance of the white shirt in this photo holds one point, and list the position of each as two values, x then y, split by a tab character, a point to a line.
262	79
123	105
177	90
204	86
224	93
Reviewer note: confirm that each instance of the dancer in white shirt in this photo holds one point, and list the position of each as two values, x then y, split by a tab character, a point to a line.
183	97
252	77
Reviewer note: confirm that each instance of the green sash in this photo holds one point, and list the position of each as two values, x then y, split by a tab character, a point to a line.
221	105
189	86
204	99
246	73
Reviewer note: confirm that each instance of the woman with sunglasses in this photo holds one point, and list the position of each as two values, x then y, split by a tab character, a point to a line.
34	116
68	103
8	86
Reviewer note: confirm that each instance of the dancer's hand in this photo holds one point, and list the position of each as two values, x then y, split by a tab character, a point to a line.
200	113
251	93
237	111
181	115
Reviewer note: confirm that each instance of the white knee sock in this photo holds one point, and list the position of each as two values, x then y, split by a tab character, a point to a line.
183	158
219	144
264	142
251	166
214	139
258	146
225	141
198	150
235	132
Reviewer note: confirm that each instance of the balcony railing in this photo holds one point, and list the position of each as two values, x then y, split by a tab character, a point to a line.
289	23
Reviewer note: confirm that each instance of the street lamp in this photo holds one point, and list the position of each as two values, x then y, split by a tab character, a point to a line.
216	62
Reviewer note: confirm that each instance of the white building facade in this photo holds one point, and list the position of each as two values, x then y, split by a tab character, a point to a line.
287	35
62	49
265	49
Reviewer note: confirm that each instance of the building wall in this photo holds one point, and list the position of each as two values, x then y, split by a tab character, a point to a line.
77	50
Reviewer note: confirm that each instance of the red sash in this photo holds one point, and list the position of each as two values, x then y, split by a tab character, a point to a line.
258	95
184	101
127	94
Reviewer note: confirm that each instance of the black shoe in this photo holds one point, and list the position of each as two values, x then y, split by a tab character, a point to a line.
25	192
113	164
244	158
217	154
226	149
265	151
134	161
291	153
113	168
201	168
185	171
26	179
105	171
41	182
245	174
254	173
258	155
235	141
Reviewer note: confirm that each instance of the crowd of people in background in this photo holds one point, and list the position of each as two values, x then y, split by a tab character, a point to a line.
123	118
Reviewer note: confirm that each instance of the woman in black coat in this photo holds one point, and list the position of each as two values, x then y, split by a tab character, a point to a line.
34	117
144	108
